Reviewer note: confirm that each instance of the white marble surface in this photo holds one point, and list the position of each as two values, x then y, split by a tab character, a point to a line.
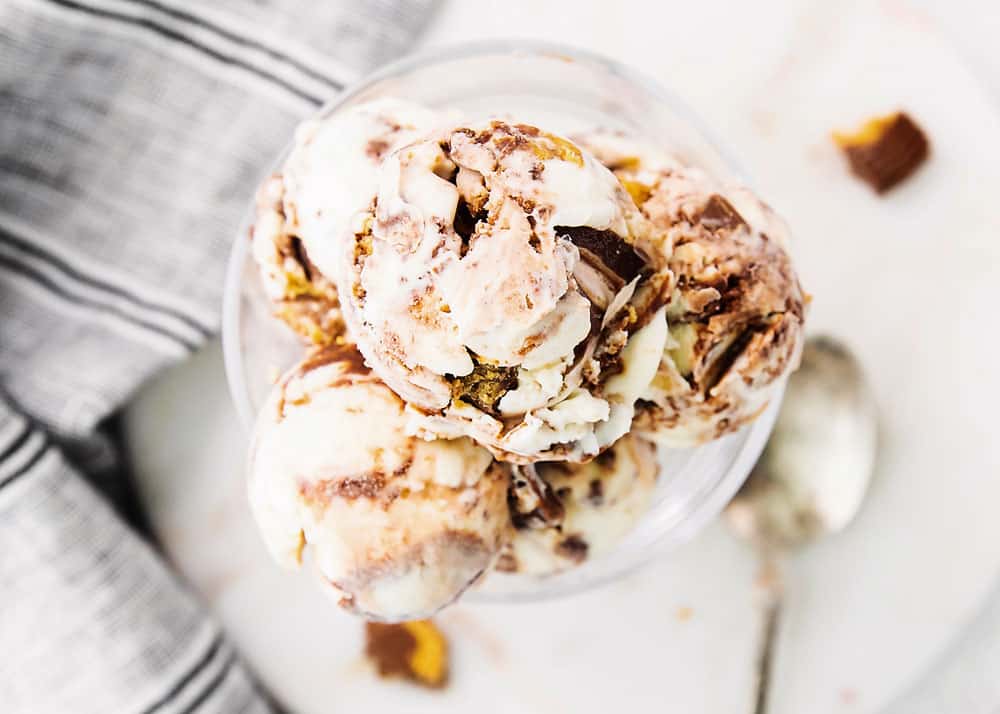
908	280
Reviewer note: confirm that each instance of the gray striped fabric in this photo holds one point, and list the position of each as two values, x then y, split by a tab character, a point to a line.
132	133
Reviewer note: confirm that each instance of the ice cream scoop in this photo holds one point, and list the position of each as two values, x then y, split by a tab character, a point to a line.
506	287
736	311
329	177
598	504
397	526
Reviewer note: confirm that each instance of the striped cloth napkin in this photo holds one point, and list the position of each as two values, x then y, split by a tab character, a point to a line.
132	133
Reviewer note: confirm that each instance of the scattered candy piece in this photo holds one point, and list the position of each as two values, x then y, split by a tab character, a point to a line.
415	650
885	151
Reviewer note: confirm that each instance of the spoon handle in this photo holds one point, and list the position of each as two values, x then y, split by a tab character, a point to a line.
773	594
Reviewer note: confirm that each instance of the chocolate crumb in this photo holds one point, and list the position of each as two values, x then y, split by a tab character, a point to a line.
606	459
376	149
506	563
573	548
324	491
531	500
465	223
595	492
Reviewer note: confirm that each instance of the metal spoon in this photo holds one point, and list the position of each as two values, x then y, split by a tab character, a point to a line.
812	477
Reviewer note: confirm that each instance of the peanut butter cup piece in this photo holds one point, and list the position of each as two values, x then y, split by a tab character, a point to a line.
416	651
885	151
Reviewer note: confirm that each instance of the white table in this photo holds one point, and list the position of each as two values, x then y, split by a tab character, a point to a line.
908	280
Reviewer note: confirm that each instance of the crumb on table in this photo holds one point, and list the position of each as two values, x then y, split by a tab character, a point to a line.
885	151
416	651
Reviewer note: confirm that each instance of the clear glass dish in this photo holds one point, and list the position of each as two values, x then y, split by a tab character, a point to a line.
565	90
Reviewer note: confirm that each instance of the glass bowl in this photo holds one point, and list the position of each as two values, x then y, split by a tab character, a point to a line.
564	90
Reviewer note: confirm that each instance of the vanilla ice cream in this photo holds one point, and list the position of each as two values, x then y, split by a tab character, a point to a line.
506	287
303	298
599	503
397	526
736	312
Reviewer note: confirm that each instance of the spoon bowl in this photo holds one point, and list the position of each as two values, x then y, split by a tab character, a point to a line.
814	472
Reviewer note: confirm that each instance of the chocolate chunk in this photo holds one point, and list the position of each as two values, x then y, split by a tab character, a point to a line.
465	222
595	491
613	251
532	502
299	256
719	214
573	548
611	364
885	151
606	459
724	362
